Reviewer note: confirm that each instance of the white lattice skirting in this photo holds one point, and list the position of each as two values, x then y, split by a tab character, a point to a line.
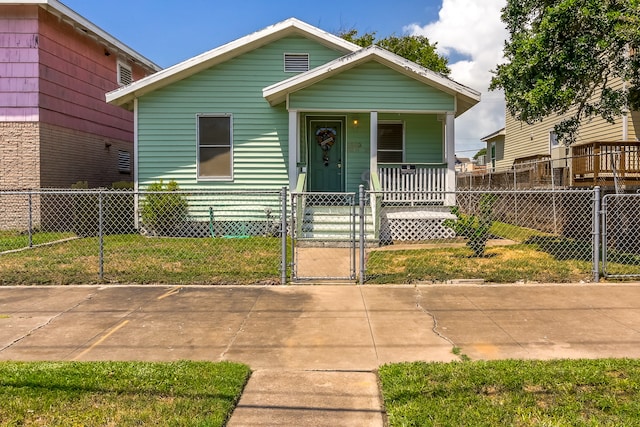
415	226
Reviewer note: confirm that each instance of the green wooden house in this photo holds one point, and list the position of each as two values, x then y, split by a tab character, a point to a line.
292	99
292	105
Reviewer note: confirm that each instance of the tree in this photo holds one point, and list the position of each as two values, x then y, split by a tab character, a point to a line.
414	48
480	152
569	57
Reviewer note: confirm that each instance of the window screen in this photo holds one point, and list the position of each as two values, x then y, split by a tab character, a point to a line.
390	143
214	146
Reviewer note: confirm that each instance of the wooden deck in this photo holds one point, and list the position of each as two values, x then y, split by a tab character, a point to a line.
605	162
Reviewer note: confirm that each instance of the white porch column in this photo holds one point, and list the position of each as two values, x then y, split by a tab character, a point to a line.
294	149
373	144
450	155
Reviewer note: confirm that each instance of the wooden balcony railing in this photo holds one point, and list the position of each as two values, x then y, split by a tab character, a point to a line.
604	162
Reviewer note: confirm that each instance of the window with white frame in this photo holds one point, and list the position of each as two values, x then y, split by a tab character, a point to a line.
296	62
215	146
125	75
390	142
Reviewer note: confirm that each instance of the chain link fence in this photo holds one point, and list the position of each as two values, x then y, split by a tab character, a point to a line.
614	165
323	233
142	237
182	237
498	236
620	236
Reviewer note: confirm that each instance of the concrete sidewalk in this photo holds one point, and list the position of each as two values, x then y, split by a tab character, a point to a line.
314	349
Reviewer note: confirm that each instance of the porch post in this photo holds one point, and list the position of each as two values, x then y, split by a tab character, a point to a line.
294	145
373	144
450	154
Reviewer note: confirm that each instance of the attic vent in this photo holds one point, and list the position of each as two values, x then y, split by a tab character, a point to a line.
124	161
296	62
125	76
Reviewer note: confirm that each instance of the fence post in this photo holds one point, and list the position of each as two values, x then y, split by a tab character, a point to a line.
596	234
362	231
31	219
100	236
283	233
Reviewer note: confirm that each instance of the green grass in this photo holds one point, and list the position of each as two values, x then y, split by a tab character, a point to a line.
138	259
501	264
119	393
10	240
513	393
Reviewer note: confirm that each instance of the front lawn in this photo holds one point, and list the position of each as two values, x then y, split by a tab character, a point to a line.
602	392
119	393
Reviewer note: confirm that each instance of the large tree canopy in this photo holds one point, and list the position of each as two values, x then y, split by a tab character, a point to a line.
414	48
569	56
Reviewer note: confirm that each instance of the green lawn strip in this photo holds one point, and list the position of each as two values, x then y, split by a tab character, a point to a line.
514	232
119	393
602	392
501	264
139	259
11	240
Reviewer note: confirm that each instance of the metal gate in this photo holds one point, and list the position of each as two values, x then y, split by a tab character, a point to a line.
323	236
621	235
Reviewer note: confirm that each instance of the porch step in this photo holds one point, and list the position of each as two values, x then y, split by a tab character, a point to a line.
333	223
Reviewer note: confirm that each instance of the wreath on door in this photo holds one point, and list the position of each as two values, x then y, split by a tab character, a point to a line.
326	137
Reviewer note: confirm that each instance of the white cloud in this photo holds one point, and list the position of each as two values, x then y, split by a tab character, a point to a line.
472	29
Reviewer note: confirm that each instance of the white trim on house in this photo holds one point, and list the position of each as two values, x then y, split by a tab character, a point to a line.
465	96
500	132
124	96
75	19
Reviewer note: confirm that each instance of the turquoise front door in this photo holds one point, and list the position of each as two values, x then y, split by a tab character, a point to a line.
326	156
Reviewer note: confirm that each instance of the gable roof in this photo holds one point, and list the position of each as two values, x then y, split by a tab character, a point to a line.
500	132
466	97
126	94
69	15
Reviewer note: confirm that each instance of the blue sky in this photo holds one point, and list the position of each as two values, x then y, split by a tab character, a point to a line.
468	32
170	31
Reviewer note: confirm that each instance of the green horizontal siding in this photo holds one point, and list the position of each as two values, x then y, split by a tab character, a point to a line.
371	86
167	119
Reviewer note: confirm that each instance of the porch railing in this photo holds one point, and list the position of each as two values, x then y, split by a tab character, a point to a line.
413	182
604	162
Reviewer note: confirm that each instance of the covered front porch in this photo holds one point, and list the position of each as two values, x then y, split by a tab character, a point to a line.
373	118
407	157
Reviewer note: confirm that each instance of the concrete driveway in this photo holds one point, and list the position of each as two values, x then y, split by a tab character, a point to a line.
314	349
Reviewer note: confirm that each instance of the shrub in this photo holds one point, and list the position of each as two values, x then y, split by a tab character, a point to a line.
164	212
474	228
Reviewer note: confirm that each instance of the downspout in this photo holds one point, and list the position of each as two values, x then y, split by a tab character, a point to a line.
625	117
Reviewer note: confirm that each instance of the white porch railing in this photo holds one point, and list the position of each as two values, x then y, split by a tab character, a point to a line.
409	183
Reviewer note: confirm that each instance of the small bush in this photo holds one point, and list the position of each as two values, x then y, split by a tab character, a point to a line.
474	228
164	213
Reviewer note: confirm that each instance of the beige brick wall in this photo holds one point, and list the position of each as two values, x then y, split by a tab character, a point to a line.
69	156
19	155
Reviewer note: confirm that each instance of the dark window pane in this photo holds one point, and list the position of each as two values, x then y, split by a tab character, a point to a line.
390	136
215	162
215	131
390	156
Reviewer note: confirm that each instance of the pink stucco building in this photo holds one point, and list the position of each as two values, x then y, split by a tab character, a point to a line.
55	126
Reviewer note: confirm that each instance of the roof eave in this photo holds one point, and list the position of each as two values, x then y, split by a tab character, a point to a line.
61	9
223	53
466	97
